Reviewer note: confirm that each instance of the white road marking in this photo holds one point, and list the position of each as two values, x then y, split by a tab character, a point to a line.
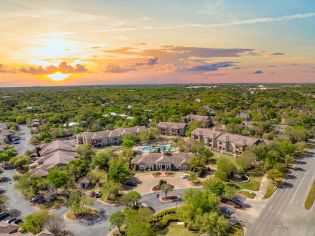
297	189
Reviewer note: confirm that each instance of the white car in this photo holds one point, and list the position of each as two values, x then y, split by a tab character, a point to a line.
184	176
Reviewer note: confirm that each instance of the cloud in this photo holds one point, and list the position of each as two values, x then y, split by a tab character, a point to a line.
112	68
258	72
278	54
2	69
149	62
209	67
63	67
182	51
257	20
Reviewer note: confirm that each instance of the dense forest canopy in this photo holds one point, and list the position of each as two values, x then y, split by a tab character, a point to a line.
91	107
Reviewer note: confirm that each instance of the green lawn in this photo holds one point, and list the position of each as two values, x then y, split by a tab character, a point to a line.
310	197
246	194
270	190
253	184
176	230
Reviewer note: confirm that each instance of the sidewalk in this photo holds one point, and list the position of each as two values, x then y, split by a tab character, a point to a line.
263	188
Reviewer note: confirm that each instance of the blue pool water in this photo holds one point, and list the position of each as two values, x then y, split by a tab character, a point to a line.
152	149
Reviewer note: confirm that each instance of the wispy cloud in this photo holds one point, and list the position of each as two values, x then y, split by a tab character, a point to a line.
258	20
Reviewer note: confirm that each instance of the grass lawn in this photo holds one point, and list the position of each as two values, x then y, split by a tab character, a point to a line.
310	197
176	230
270	190
246	194
253	184
236	230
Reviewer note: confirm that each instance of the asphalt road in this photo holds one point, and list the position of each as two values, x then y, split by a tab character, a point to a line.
24	142
284	214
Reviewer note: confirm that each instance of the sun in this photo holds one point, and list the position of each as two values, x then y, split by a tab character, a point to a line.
58	76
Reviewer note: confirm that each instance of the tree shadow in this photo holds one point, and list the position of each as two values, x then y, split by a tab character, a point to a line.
285	185
290	177
298	169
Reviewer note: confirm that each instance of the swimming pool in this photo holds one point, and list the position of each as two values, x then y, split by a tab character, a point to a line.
154	149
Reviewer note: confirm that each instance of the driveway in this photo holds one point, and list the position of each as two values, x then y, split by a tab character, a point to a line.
147	181
24	142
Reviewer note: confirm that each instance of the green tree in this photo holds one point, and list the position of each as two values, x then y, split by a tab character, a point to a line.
244	161
127	142
118	170
136	225
225	168
197	163
131	199
34	222
117	219
58	177
77	168
215	185
192	125
296	133
30	184
85	151
101	160
214	224
76	202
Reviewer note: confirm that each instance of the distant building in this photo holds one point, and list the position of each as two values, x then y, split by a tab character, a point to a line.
224	142
107	137
161	161
172	128
244	115
205	120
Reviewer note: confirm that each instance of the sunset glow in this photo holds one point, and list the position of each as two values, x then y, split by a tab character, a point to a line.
58	76
109	42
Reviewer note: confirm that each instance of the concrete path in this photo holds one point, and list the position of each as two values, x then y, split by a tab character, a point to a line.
263	188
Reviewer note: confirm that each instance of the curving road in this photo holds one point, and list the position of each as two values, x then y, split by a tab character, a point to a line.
284	214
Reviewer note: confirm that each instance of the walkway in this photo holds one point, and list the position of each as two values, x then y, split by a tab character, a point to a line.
263	188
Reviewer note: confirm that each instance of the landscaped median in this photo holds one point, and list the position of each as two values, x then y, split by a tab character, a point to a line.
310	197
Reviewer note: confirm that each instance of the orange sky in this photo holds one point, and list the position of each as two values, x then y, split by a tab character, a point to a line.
114	42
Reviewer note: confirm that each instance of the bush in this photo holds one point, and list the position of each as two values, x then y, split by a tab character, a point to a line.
34	223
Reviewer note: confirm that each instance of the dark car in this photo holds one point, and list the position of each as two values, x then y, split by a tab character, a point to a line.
17	221
16	142
4	215
226	211
37	198
9	221
131	183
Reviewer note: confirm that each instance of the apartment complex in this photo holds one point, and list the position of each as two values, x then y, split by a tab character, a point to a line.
172	128
56	153
224	142
162	161
206	121
108	137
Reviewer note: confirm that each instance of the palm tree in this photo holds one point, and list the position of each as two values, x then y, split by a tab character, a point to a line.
165	188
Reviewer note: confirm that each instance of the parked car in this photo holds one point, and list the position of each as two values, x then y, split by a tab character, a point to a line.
9	221
131	183
17	221
16	142
98	194
37	198
184	176
226	211
4	215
